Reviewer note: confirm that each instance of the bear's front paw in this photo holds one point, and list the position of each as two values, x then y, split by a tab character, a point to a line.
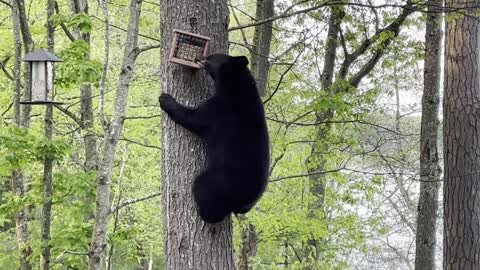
166	101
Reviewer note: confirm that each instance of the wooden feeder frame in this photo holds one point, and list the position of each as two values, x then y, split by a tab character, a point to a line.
189	43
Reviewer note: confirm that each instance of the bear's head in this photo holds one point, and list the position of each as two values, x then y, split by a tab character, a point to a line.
222	66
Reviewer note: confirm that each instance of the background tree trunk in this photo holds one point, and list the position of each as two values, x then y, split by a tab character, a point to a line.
21	29
86	108
189	242
262	39
429	167
260	66
48	162
28	46
461	141
112	134
316	161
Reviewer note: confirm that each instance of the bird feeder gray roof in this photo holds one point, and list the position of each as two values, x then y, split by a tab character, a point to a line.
41	55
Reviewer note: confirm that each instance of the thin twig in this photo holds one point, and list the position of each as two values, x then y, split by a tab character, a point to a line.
132	201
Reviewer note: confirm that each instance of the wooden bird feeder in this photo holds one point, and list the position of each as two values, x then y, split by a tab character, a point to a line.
41	77
187	48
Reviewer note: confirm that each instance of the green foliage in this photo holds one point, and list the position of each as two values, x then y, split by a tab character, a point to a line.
77	68
291	216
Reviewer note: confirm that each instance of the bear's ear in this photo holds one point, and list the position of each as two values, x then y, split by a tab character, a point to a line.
241	60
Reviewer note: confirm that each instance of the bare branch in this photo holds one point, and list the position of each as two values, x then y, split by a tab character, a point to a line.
8	109
71	115
64	27
238	22
393	27
125	30
142	117
305	174
141	144
274	18
148	47
4	69
6	3
132	201
281	79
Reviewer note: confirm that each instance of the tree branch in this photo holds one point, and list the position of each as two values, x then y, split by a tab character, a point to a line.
124	30
64	27
71	115
393	27
141	144
6	3
4	68
148	47
285	14
368	42
132	201
141	117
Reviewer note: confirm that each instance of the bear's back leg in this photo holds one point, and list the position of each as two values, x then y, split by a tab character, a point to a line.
211	193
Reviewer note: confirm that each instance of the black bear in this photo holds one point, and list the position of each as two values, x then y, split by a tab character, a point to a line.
232	123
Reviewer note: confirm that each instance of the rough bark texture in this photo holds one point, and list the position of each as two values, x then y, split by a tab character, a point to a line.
429	168
461	142
17	185
17	44
189	242
28	46
48	163
249	246
262	39
47	195
102	210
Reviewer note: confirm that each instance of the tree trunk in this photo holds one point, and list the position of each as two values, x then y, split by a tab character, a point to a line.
28	46
461	140
18	188
248	246
260	65
189	242
429	167
48	162
315	161
86	106
47	194
102	210
262	39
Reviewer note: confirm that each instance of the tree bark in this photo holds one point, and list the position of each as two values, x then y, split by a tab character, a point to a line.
262	39
248	246
189	242
18	188
429	168
48	162
47	195
86	107
102	210
461	140
28	46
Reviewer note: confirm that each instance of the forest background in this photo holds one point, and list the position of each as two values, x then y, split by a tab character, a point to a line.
342	83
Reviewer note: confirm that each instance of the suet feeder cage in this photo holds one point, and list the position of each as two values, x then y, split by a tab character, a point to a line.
187	48
41	77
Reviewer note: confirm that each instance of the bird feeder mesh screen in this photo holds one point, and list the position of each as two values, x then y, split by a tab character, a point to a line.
189	48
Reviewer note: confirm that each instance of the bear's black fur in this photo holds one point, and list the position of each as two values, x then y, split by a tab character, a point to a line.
232	123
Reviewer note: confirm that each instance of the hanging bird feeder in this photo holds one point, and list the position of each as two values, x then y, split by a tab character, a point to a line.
187	48
41	77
